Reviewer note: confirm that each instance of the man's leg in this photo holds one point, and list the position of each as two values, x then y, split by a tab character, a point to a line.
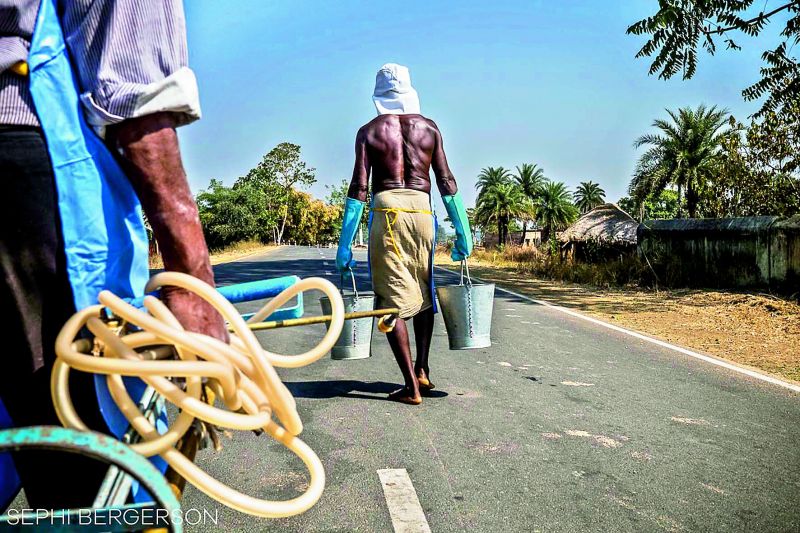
35	301
398	340
423	333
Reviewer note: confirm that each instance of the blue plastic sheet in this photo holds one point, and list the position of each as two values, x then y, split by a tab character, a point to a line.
101	218
9	482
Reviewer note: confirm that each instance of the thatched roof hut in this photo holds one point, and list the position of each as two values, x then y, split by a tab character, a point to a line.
606	224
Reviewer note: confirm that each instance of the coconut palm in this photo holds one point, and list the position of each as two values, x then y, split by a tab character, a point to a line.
683	153
530	179
500	204
588	196
491	176
554	209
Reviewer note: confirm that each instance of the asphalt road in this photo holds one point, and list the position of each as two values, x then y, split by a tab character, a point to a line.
561	425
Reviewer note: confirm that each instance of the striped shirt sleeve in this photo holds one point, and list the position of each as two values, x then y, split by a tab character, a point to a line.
131	59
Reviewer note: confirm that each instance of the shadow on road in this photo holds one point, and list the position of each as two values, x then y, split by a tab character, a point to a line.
241	271
374	390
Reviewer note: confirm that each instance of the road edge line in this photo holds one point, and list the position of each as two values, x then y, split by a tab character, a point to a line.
664	344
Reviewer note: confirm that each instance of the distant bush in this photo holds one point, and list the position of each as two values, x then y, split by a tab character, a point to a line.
627	270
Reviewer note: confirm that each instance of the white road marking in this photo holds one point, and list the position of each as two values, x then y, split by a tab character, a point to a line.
503	363
401	498
707	358
690	421
513	316
328	273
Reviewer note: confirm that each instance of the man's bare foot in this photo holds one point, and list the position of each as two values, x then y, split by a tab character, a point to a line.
424	383
405	395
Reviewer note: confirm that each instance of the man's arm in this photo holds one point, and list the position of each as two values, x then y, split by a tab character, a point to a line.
354	204
130	57
359	184
444	177
462	247
151	159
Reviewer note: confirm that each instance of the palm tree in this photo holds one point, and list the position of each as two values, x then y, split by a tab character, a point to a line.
588	196
683	153
491	176
530	179
500	204
554	209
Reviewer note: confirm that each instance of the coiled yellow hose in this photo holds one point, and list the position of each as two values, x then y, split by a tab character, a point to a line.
241	374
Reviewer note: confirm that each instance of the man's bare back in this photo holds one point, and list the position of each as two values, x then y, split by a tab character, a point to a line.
398	148
399	151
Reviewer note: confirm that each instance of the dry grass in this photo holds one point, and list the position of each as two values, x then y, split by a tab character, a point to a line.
629	270
229	253
750	329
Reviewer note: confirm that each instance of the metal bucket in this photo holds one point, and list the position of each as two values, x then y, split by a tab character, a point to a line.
355	341
467	312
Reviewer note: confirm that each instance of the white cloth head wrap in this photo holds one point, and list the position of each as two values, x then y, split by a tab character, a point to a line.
394	94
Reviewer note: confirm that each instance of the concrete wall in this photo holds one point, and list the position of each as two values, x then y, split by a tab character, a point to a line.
731	252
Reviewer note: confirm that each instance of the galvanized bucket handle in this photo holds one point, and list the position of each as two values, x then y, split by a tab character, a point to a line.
352	278
465	268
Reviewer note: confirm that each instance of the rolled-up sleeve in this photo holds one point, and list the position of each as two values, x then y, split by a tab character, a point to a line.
131	59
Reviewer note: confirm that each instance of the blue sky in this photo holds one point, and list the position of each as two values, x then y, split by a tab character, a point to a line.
508	82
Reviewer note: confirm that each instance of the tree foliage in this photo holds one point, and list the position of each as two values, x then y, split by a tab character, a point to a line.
756	173
500	203
312	221
233	214
266	205
489	177
279	172
554	209
530	179
684	153
738	170
589	195
664	205
680	27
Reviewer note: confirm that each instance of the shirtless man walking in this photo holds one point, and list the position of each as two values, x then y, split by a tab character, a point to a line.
398	148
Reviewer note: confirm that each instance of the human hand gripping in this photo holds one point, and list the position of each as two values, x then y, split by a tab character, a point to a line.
151	158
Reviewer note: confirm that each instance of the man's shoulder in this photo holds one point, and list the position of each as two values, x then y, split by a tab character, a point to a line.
422	120
396	119
382	124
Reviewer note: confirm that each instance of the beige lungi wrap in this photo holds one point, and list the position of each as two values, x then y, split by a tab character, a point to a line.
400	259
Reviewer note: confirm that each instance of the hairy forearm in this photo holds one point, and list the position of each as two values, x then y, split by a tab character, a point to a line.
151	159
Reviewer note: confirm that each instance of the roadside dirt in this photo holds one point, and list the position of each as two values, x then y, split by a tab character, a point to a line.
223	256
750	329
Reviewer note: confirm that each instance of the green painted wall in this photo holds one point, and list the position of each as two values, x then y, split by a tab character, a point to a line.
724	253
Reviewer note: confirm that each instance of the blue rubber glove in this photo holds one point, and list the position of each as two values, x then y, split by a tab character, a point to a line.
353	209
458	215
